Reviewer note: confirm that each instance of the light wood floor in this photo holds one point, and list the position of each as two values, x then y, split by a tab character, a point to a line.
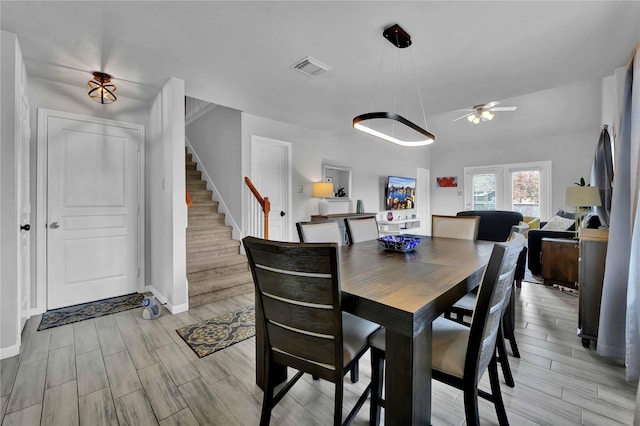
121	369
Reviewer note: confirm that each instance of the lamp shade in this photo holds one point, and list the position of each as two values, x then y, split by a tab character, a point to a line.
322	189
582	196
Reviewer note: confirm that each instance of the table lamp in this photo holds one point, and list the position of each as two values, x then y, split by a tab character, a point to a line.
581	197
322	190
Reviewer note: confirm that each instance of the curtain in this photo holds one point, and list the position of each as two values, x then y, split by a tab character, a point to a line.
602	175
618	334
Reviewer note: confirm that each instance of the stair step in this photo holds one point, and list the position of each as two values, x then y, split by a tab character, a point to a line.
220	266
201	246
219	283
217	249
190	165
188	157
221	233
205	203
198	184
197	174
203	221
200	195
203	299
200	210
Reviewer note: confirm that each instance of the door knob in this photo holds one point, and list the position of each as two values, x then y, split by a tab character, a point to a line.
54	225
25	227
282	214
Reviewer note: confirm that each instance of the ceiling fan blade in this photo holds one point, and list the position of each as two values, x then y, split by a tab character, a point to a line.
490	105
465	110
511	108
464	116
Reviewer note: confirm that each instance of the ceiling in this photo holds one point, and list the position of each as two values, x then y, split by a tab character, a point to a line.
238	54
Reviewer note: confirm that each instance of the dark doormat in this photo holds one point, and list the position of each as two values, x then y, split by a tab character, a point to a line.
217	333
85	311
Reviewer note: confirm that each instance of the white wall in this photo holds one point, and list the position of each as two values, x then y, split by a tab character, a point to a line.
11	63
166	214
216	138
561	125
371	160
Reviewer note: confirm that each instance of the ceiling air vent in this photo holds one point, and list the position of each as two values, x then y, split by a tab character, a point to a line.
311	66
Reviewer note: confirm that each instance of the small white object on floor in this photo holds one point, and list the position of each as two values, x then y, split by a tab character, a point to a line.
152	309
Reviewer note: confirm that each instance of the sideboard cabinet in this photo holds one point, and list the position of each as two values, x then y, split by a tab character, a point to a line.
593	253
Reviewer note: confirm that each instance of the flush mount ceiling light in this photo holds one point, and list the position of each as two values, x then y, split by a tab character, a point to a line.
391	126
100	89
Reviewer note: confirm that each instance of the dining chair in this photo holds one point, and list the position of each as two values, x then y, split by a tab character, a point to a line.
464	308
319	232
324	232
361	229
299	311
461	354
460	227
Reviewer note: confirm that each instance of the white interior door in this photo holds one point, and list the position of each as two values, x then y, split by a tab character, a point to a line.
24	213
271	174
92	210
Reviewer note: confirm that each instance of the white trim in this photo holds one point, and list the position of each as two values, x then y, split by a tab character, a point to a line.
236	232
9	351
199	114
163	301
289	204
41	196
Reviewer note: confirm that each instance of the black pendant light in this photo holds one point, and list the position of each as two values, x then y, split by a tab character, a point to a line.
391	126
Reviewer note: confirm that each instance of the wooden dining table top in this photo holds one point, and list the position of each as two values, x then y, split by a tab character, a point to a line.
404	290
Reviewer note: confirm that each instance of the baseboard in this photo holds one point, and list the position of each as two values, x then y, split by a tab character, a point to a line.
174	309
9	351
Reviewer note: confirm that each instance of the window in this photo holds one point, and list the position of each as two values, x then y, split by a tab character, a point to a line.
524	187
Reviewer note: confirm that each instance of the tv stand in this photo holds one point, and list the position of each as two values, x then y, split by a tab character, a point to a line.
396	227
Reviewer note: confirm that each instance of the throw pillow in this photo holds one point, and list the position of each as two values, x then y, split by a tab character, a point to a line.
558	223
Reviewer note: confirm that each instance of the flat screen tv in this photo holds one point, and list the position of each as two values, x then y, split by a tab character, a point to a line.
400	193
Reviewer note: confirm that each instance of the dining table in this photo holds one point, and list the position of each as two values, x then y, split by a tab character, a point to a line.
404	292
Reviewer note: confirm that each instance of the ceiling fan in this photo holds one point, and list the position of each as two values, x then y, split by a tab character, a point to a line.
483	112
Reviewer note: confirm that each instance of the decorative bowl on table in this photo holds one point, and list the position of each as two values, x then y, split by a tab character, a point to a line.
401	243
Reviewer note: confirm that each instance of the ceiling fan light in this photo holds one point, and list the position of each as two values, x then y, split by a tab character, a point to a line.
488	115
471	118
475	120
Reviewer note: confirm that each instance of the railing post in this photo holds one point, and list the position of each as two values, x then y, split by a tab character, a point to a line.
264	203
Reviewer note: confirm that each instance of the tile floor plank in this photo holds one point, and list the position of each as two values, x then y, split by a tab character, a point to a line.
60	406
140	349
92	375
61	367
205	405
36	348
28	388
178	365
110	340
122	374
61	336
86	338
182	418
8	371
97	409
134	410
29	416
163	394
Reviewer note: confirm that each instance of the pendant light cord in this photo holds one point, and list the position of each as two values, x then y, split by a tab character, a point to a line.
424	116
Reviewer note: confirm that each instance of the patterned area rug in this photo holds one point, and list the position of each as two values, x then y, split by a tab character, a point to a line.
220	332
85	311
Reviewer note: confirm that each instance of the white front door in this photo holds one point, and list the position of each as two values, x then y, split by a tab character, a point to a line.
24	213
92	210
271	174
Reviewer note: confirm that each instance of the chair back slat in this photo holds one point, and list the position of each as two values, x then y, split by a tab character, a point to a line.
460	227
319	232
360	229
298	292
490	305
319	349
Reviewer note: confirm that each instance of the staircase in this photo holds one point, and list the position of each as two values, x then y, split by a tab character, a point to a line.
215	267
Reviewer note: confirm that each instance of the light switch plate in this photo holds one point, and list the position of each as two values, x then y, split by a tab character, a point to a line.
299	189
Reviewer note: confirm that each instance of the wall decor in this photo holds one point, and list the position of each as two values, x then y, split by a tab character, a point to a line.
447	182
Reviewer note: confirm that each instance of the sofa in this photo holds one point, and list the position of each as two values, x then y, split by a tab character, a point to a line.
495	225
536	235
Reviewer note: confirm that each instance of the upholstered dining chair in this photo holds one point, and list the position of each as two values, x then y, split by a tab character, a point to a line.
361	229
461	354
460	227
464	308
299	301
319	232
324	232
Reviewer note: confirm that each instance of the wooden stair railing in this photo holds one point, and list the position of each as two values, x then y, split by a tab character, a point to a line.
264	204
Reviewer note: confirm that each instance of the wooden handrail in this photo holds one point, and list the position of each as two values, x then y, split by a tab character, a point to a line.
264	203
